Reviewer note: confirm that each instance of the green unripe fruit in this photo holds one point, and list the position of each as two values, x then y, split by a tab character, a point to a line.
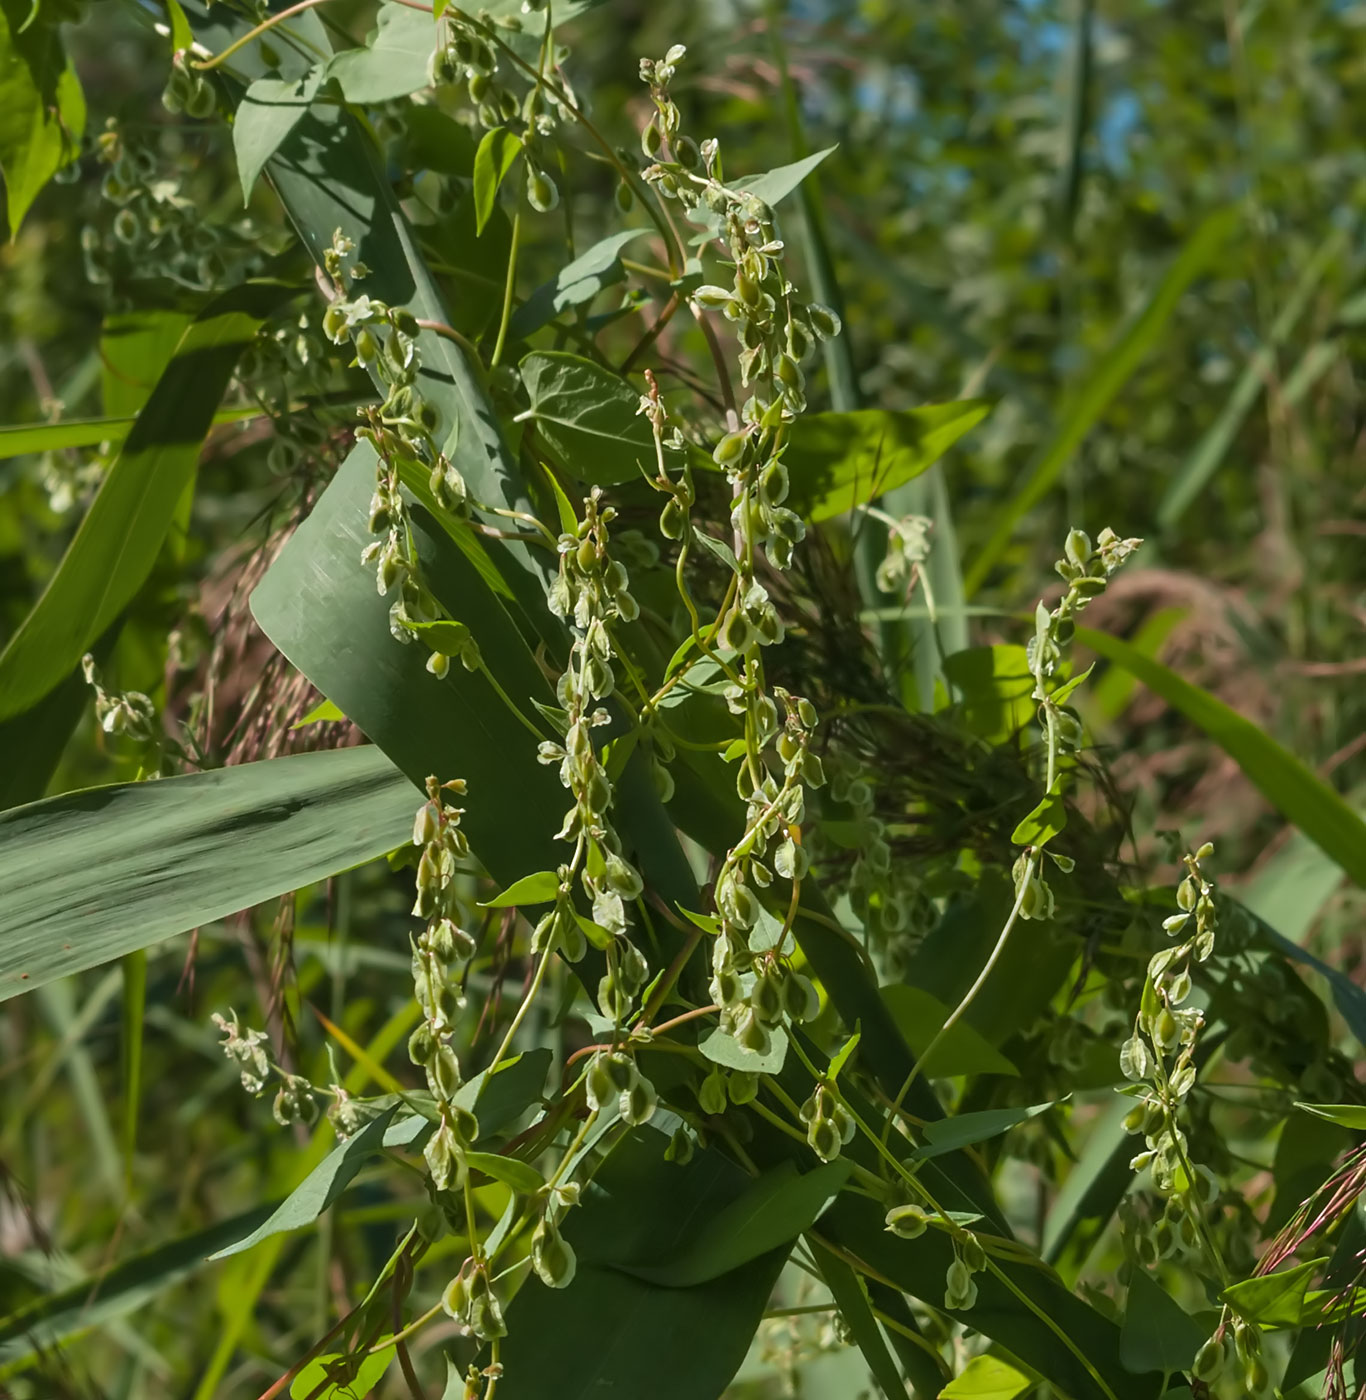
907	1222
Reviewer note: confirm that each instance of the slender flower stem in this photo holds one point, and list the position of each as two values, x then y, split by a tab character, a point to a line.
204	64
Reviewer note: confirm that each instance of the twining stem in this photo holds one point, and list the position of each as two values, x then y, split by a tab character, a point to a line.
508	287
537	978
204	64
968	998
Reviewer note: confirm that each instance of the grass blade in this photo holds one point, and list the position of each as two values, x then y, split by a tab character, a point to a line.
1297	793
1131	344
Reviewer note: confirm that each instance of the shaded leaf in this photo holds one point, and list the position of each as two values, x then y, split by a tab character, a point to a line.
1158	1333
963	1050
994	686
609	1328
837	461
848	1291
23	439
771	1212
575	284
93	875
116	1292
964	1129
1348	1115
117	542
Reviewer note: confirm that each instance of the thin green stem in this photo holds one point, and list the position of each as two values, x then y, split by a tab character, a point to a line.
508	287
204	64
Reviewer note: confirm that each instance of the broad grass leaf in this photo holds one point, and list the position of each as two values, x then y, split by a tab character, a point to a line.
963	1050
135	348
93	875
117	542
1158	1334
320	1188
393	62
497	151
776	1208
318	604
1300	795
1132	343
587	417
25	439
42	107
575	284
267	113
41	1325
851	1298
986	1378
837	461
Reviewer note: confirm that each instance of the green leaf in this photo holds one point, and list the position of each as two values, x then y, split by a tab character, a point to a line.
919	1016
964	1129
1274	1300
837	461
851	1298
324	712
358	1377
722	1048
522	1178
986	1378
320	1188
574	285
994	686
492	161
24	439
393	62
842	1056
42	107
117	542
1158	1333
181	37
120	1290
135	348
1131	345
775	185
1111	694
90	876
1043	823
1199	467
609	1328
541	888
319	606
772	1212
1300	796
268	112
1349	1115
586	416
